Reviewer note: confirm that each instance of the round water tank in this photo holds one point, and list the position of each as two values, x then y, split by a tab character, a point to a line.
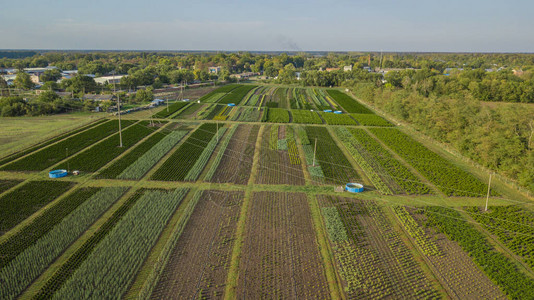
354	187
57	173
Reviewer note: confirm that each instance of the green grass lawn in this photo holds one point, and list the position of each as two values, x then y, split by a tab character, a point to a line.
21	132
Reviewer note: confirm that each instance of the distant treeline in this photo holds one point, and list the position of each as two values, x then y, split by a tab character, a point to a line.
17	54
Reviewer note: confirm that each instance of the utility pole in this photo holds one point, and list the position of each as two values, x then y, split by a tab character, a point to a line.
487	197
314	151
118	109
120	129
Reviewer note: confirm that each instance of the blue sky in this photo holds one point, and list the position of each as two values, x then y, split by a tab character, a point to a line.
340	25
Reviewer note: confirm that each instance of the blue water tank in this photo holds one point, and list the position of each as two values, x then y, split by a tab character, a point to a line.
327	110
57	173
231	104
354	187
338	112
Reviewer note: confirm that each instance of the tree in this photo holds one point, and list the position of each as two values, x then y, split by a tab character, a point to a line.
79	83
13	106
50	75
287	74
48	97
23	81
144	96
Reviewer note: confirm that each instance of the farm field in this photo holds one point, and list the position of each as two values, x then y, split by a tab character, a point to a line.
248	201
280	258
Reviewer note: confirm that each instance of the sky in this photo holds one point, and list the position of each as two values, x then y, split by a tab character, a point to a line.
275	25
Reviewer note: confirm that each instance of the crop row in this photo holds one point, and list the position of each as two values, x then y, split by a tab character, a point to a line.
220	154
334	225
348	103
236	95
6	184
369	165
28	235
276	115
208	111
189	110
397	171
305	117
171	109
247	114
423	241
166	253
371	120
48	142
337	119
22	202
251	94
513	226
318	99
144	163
108	270
499	268
96	157
300	99
124	162
335	166
222	90
29	264
449	178
176	167
203	159
49	156
75	260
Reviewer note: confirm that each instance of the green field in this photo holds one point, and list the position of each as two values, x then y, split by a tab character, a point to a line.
248	202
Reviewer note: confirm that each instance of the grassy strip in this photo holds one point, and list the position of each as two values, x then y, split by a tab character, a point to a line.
31	233
220	154
204	157
68	268
127	160
16	155
112	265
143	164
348	103
176	106
177	166
27	266
49	156
22	202
102	153
163	258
